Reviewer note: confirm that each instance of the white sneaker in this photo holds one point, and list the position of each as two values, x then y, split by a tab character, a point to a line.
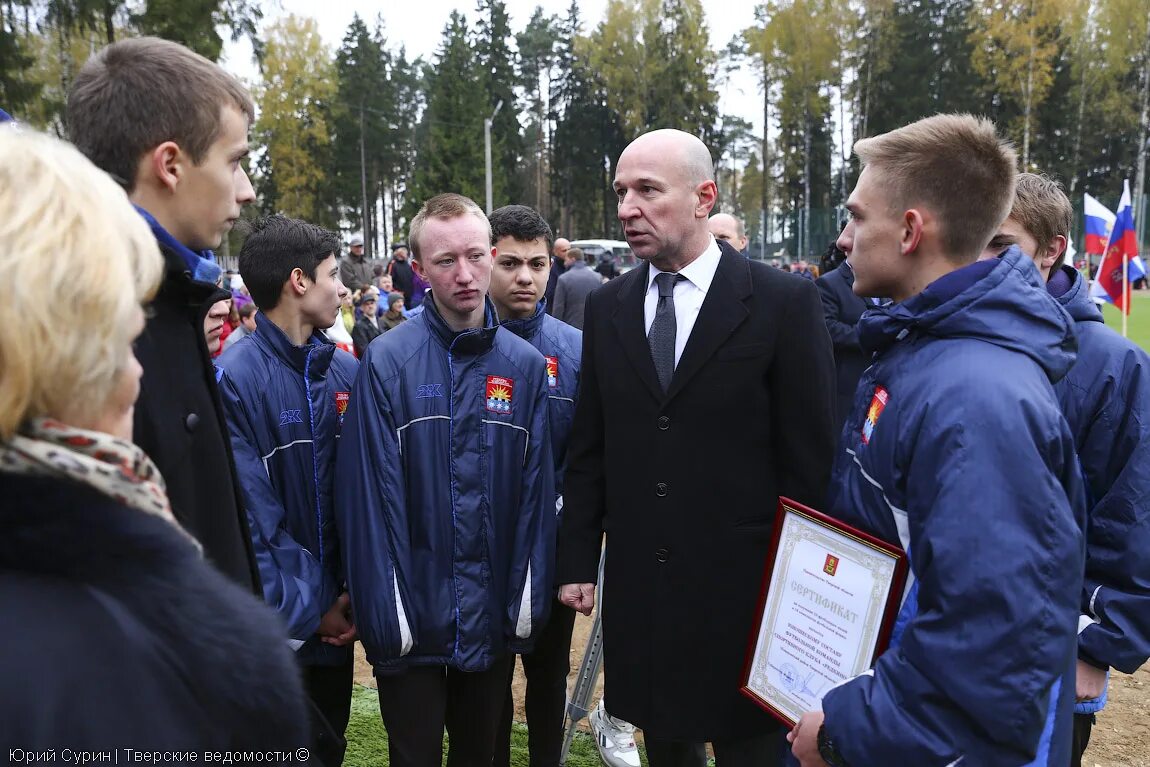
615	738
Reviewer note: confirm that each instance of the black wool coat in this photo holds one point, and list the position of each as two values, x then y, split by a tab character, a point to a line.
685	485
119	635
179	422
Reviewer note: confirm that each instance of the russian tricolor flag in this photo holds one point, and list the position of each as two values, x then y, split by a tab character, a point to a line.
1123	244
1099	223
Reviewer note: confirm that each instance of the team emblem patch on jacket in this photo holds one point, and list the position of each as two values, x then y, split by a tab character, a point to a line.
341	398
499	391
552	372
877	405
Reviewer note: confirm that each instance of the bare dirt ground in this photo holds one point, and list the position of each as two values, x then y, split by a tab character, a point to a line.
1120	739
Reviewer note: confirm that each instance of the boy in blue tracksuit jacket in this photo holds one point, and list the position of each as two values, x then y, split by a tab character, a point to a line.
446	501
522	241
284	389
957	451
1104	397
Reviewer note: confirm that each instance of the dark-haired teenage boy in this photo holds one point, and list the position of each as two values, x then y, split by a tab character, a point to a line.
284	392
522	242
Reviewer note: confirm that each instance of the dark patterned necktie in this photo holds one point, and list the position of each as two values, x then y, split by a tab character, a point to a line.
662	335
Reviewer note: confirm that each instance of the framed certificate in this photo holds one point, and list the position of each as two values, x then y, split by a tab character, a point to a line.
830	597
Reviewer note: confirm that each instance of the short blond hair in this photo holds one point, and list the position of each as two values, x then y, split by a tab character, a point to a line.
443	206
1043	210
957	166
79	261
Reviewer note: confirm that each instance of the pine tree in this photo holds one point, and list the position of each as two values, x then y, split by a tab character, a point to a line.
195	23
496	62
16	87
450	138
588	141
410	93
537	56
929	41
680	67
362	111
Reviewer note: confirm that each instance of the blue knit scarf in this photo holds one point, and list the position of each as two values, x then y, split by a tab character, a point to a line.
202	264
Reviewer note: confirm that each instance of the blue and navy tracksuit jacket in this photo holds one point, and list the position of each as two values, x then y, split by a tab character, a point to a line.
1106	399
562	346
445	498
284	406
956	450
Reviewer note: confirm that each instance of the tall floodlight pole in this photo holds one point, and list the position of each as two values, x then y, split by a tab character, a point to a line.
487	150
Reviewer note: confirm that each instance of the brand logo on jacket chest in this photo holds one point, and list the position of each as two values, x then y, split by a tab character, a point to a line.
341	400
427	391
288	417
553	372
499	393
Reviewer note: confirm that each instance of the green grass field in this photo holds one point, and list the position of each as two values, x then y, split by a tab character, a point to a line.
367	740
1138	323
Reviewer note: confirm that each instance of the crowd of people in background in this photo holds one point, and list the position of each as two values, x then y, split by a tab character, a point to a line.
217	483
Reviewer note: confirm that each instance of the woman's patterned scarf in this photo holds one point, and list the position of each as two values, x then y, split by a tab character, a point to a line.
114	467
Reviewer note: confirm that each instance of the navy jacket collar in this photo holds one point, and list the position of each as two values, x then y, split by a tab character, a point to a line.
528	327
1000	301
469	341
1073	293
312	359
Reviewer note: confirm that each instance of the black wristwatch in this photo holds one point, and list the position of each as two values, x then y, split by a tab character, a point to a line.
827	749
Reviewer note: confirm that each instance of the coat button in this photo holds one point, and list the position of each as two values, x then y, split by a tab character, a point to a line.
191	422
664	423
661	489
661	555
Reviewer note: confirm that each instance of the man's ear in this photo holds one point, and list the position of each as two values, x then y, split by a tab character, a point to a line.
912	228
707	194
418	267
168	163
297	282
1055	249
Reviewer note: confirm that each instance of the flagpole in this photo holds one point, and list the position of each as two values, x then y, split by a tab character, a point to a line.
1125	290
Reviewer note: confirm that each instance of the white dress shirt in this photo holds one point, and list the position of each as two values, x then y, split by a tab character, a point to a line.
689	295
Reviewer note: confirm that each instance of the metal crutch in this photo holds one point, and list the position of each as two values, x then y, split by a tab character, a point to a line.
578	707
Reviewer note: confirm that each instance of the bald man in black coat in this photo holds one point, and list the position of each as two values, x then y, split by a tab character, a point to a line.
679	452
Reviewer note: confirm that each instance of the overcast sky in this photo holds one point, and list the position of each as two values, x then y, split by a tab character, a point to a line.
419	24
